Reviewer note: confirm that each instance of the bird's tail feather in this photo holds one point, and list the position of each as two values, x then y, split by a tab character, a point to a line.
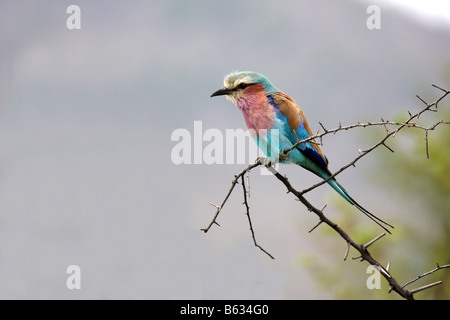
344	194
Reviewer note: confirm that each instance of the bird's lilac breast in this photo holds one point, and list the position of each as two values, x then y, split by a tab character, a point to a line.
258	112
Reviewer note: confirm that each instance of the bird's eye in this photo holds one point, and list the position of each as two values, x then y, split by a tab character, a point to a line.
243	85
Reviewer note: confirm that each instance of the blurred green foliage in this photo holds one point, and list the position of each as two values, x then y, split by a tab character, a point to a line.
418	192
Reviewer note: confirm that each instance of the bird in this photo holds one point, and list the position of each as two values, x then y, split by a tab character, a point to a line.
265	107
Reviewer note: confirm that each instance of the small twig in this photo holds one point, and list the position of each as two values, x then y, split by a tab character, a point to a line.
233	184
324	130
215	205
423	101
446	91
320	221
347	251
438	267
247	208
373	240
413	291
313	228
385	145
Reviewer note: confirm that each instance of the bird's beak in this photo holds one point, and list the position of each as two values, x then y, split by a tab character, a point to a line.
221	92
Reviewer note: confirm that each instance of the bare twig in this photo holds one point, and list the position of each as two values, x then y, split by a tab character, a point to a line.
438	267
233	184
247	208
313	228
427	286
320	221
347	251
373	240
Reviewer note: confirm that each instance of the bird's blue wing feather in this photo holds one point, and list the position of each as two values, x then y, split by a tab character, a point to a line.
301	133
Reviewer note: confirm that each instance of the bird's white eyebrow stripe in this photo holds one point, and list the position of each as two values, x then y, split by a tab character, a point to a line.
235	84
244	80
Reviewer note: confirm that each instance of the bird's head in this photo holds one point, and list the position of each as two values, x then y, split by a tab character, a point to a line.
236	84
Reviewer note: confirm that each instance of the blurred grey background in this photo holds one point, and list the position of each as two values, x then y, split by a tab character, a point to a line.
86	117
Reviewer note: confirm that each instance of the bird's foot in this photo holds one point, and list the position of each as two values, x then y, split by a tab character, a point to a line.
283	155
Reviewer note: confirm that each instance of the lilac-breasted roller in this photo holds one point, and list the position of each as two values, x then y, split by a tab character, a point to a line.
264	108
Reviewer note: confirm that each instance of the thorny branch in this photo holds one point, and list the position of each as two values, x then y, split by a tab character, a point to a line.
438	267
361	248
408	123
250	220
233	184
